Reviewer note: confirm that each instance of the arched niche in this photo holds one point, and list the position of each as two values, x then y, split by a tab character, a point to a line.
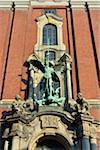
62	68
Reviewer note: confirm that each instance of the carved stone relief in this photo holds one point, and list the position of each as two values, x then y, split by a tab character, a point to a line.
49	121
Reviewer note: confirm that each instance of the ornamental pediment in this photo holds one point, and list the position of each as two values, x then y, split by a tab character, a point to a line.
48	16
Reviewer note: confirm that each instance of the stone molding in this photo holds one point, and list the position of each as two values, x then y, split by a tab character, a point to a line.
93	141
94	101
18	3
47	121
74	3
53	123
51	132
41	22
9	102
95	4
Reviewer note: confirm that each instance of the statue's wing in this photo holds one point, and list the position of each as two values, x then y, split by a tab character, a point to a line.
58	66
38	65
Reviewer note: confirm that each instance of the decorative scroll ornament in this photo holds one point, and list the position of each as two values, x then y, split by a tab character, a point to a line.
78	106
26	108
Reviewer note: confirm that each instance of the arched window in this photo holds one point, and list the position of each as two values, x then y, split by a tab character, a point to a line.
52	55
50	34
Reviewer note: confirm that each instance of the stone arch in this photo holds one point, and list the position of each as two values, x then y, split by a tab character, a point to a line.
53	126
51	141
58	137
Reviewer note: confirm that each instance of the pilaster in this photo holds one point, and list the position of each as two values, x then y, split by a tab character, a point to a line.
67	76
85	143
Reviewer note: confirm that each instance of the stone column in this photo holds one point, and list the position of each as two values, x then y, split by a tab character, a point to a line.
93	137
61	85
0	136
72	147
68	89
85	143
77	146
85	132
31	84
15	143
6	145
88	132
93	143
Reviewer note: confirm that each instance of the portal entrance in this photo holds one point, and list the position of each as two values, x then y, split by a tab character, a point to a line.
51	143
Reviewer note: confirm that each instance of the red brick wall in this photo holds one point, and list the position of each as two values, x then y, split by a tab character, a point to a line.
5	19
62	14
16	52
31	39
95	17
85	56
95	112
98	141
24	37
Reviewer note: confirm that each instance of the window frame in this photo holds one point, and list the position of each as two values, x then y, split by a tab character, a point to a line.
51	36
51	52
41	22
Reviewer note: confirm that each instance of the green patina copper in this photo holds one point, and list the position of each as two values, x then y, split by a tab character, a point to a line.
50	95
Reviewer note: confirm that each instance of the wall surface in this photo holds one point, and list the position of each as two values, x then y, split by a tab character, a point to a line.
81	34
18	41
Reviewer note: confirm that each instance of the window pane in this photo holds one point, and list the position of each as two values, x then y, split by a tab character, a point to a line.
52	55
50	34
52	11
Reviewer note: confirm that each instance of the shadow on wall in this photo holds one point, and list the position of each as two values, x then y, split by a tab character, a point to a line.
24	81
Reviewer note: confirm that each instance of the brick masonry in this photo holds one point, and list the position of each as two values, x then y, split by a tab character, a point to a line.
24	37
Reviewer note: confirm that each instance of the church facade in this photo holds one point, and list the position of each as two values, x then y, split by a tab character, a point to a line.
49	75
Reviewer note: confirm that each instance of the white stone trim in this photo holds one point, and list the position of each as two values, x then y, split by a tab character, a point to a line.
69	80
6	101
93	101
18	3
16	142
95	4
74	3
93	140
41	22
6	145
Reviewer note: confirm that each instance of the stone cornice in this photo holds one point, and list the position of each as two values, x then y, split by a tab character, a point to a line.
95	4
18	3
81	3
90	101
94	103
6	103
74	3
